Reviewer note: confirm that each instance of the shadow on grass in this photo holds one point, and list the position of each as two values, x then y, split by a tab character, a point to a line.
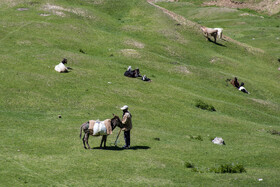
222	45
115	148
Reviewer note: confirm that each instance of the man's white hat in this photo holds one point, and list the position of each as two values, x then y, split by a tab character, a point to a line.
124	107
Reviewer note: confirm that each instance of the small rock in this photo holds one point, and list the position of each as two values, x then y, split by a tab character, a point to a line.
18	150
109	82
44	15
22	9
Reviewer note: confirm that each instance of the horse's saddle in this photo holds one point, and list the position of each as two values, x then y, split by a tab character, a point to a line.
97	128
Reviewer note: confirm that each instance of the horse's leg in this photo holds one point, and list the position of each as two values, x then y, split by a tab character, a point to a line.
105	139
87	136
102	140
84	141
215	37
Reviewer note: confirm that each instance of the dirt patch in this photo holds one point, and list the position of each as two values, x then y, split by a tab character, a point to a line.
216	60
24	42
23	9
130	53
182	69
44	15
269	6
60	11
135	43
10	3
263	102
252	15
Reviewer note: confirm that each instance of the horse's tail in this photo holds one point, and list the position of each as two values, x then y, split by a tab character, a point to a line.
81	131
81	128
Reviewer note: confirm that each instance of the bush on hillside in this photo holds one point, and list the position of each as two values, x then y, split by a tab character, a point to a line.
229	168
196	137
204	106
189	165
274	132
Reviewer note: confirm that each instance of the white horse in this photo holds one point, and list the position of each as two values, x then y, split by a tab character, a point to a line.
209	32
220	32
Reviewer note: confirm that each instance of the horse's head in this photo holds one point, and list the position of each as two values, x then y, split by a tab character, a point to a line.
116	121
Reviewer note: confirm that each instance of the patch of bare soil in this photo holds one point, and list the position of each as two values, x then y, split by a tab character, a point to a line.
130	53
135	43
10	3
60	11
263	102
269	6
182	69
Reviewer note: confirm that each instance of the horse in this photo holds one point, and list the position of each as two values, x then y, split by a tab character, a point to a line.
88	128
209	31
220	32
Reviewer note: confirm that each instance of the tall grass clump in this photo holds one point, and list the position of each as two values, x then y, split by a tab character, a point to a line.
229	168
204	106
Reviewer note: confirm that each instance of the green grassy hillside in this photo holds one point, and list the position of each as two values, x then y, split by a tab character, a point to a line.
100	39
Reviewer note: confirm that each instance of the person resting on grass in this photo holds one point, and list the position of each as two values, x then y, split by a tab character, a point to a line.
61	68
242	88
132	73
235	83
145	78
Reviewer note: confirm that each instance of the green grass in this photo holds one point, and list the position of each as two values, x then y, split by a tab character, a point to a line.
40	149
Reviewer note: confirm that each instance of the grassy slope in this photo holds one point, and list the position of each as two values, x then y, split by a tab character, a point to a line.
38	148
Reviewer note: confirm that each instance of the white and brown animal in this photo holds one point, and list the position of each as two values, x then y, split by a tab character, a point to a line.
99	128
209	32
220	32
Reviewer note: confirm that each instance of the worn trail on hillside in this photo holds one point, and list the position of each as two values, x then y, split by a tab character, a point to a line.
183	21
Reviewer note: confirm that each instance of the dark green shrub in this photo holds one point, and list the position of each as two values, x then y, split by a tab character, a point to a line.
274	132
204	106
199	138
229	168
196	137
189	165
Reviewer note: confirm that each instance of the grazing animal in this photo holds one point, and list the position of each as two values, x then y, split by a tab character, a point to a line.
94	128
209	32
220	32
132	73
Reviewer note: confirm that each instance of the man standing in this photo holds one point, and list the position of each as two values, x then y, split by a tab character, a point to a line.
126	120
